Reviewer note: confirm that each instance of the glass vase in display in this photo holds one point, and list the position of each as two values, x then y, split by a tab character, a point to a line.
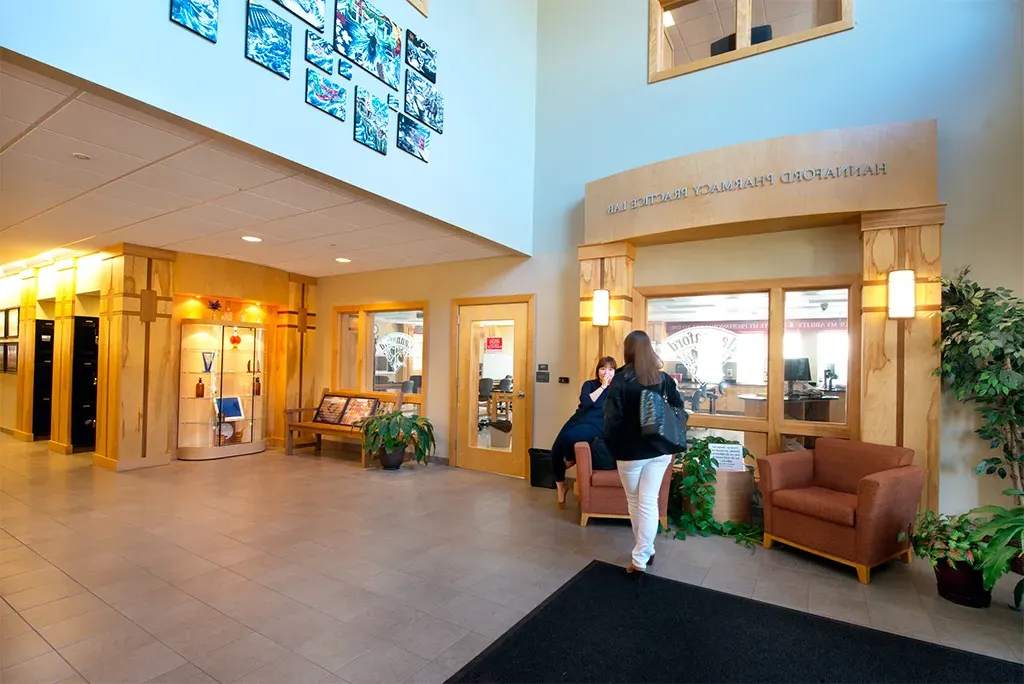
200	389
208	358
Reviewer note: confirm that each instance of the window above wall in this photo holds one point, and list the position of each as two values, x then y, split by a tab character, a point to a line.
690	35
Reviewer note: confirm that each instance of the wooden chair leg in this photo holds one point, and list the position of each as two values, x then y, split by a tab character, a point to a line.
768	541
864	574
289	443
583	519
907	556
319	442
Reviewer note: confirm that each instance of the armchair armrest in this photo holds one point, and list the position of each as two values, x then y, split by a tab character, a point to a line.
298	411
584	469
887	502
789	470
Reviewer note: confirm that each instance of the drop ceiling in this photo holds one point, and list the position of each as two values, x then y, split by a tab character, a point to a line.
158	181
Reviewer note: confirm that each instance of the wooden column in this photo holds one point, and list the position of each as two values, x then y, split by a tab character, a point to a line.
26	357
899	394
608	267
63	351
295	383
137	386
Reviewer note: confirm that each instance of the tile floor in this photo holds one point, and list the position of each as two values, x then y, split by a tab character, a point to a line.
273	569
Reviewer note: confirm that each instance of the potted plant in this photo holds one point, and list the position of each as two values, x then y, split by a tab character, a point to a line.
982	346
388	435
1002	533
947	542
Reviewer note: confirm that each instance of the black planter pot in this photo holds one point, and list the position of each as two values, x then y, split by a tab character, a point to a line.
392	460
962	585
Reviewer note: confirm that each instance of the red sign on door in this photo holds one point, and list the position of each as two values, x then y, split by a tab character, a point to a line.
493	344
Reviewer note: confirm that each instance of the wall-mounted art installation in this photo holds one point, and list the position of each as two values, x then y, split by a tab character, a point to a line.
424	101
372	117
345	68
420	56
368	38
413	137
268	40
393	102
199	16
313	12
319	52
325	94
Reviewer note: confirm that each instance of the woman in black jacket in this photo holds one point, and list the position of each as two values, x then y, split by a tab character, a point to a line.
641	460
584	425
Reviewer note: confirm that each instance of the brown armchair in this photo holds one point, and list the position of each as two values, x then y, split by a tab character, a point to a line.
600	491
846	501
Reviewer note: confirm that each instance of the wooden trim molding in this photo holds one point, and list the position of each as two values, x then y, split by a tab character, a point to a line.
607	250
934	215
129	249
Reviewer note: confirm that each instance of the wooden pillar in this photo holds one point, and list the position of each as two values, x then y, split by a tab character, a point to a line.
295	383
137	385
26	357
605	267
63	351
899	394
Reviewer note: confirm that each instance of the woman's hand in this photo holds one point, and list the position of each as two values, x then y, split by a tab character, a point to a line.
607	374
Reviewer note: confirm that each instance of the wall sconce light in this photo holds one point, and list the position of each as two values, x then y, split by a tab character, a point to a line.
602	300
902	294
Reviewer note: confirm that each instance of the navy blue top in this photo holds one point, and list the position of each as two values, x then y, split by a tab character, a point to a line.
590	411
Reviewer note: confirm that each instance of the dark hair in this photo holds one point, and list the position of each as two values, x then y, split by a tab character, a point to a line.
605	362
638	351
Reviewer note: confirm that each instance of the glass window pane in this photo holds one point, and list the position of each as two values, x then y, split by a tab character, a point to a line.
698	30
771	19
397	361
492	355
816	348
716	348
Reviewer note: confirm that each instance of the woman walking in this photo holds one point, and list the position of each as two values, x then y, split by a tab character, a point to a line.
641	459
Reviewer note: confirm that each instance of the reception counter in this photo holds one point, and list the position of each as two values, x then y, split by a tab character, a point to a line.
828	408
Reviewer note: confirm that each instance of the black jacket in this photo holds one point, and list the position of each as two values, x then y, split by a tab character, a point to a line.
622	417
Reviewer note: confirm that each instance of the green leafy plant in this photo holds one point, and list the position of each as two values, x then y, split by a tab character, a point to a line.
937	537
691	501
390	432
1002	534
982	345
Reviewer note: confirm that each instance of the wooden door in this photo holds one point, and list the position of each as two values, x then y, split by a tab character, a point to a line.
492	416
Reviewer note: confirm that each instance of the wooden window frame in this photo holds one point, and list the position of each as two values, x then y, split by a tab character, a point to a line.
776	424
364	342
656	38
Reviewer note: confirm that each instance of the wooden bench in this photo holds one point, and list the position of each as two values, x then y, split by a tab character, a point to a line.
385	402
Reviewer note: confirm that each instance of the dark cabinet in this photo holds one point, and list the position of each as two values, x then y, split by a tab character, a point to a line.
42	387
84	372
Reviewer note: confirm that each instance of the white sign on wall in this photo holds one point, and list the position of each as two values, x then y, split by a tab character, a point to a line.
729	456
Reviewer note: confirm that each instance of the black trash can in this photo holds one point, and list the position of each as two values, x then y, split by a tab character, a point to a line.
540	469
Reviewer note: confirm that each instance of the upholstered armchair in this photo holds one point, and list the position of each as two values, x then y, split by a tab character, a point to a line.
600	491
846	501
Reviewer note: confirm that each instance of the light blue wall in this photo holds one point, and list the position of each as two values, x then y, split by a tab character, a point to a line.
957	61
480	177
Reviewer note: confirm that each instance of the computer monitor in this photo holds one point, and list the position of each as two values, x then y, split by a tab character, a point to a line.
797	370
230	408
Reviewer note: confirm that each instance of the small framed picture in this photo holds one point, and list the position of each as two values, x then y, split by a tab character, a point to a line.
10	357
12	323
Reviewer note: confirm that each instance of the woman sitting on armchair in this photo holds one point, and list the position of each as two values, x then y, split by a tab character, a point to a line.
584	426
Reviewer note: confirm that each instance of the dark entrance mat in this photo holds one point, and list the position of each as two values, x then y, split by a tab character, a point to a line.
603	626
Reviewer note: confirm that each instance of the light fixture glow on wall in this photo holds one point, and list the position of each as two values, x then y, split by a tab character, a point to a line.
602	300
902	294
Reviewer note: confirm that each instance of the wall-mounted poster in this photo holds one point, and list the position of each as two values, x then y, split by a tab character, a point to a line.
319	52
393	102
198	16
413	137
12	322
11	357
424	101
359	409
420	56
325	94
268	39
368	38
345	68
372	117
313	12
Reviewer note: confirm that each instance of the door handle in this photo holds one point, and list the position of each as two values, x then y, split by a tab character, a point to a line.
521	395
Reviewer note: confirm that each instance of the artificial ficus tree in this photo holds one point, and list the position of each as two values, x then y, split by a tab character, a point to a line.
982	345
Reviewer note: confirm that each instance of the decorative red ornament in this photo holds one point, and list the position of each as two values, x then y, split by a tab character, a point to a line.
235	340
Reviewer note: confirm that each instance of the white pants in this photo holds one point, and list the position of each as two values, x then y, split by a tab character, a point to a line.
642	482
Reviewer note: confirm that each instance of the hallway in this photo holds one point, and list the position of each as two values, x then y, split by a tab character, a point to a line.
269	569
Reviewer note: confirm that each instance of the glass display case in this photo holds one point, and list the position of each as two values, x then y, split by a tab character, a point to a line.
221	405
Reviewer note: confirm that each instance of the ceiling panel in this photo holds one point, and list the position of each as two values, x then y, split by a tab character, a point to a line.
25	102
254	205
230	244
776	10
136	115
23	197
104	128
701	30
14	163
206	162
212	213
180	183
162	231
302	194
60	148
143	194
36	78
694	10
11	129
83	216
362	214
304	226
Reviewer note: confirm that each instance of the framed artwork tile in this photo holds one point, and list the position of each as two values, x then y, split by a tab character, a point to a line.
393	102
372	118
423	101
359	409
199	16
413	137
313	12
12	322
345	68
325	94
11	357
330	410
367	37
319	52
268	39
420	56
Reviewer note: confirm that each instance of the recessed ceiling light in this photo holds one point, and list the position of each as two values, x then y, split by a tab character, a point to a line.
252	238
343	260
80	155
669	20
